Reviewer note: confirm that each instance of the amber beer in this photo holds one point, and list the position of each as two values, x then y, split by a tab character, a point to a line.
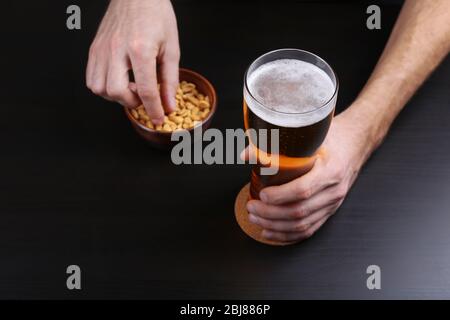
295	92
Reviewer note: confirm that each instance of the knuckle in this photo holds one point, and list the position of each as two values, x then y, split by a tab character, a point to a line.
301	227
114	92
341	192
140	49
304	192
97	89
173	55
300	212
148	95
93	48
137	46
308	233
114	45
338	173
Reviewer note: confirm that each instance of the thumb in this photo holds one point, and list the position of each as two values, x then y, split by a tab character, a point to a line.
249	154
132	86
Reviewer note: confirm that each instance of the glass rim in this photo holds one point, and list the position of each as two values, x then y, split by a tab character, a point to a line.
292	113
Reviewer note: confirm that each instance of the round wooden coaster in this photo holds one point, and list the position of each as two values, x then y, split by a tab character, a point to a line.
252	230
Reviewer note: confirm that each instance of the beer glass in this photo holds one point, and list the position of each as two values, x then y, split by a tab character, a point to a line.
293	91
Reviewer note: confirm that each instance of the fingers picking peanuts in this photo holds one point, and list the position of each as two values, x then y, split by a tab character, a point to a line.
192	107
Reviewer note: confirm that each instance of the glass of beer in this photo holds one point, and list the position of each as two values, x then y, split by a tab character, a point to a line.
295	92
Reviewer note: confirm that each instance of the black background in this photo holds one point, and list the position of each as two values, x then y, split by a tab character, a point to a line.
78	186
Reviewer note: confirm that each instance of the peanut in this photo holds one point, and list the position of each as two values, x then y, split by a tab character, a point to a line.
167	127
135	114
191	99
203	104
189	87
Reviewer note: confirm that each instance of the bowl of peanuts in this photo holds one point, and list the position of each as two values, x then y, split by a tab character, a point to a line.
196	103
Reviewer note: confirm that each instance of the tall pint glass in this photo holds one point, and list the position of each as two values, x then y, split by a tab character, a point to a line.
293	91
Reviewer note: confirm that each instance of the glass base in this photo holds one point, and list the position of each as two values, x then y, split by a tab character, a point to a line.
250	229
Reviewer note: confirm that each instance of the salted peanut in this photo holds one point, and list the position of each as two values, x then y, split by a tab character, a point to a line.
142	121
159	127
195	110
191	99
177	119
196	117
203	104
200	97
187	120
179	91
204	113
190	105
183	113
189	87
135	114
166	127
143	115
150	125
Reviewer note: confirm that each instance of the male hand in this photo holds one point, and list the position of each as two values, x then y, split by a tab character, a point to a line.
138	35
296	210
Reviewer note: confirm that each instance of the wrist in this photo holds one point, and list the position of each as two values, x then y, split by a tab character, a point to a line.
137	3
364	131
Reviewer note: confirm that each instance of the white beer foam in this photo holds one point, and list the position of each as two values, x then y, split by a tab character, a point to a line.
290	93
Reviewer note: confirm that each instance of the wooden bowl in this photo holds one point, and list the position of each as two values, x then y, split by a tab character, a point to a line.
163	139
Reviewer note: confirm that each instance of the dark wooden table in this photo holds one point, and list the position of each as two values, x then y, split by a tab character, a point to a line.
78	186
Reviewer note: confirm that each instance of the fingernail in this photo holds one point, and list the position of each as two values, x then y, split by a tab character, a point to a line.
266	234
158	121
242	155
250	207
263	196
172	104
252	218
